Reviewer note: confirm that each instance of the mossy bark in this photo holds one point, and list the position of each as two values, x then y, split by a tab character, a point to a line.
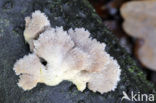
69	14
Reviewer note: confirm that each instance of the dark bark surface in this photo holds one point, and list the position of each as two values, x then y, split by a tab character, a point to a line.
69	14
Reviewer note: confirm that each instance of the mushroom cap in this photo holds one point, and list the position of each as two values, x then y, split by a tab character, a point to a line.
34	25
107	79
29	68
98	59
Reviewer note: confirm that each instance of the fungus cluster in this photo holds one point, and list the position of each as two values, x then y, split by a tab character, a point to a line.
70	55
140	22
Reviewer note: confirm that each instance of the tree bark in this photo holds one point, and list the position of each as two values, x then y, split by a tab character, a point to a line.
69	14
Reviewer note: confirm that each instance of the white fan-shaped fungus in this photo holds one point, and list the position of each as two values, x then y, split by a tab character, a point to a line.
70	55
106	80
29	68
34	25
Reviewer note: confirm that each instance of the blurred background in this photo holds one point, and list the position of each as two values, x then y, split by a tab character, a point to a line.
134	23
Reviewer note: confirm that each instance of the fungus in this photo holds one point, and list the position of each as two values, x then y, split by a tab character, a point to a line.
139	22
29	68
70	55
106	80
34	25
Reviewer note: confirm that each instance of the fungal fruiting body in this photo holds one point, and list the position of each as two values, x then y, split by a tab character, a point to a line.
34	25
70	55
